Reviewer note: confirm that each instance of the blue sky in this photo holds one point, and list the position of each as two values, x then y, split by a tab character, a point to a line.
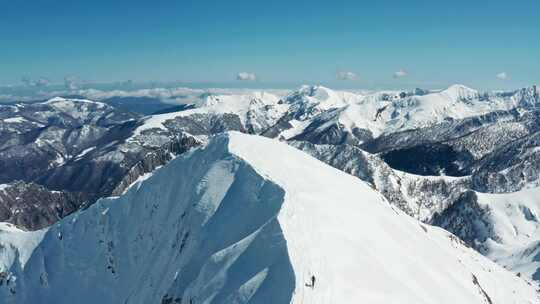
436	42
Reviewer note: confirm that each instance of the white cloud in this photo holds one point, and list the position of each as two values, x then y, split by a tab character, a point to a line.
400	74
246	76
346	75
502	76
162	93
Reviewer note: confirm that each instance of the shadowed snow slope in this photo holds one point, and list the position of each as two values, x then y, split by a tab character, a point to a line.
247	220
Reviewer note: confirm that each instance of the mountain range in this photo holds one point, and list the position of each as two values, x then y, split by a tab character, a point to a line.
383	197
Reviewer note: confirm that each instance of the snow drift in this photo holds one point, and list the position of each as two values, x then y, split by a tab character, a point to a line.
247	219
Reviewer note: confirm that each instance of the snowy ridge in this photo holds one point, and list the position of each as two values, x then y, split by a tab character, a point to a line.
309	101
460	92
23	242
244	228
375	114
245	106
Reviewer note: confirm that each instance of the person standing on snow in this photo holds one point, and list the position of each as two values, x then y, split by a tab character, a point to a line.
312	284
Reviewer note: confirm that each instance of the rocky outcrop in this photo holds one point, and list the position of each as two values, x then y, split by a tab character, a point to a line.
34	207
154	160
468	220
512	167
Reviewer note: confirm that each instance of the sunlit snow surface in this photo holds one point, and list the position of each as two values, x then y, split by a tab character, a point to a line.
248	220
516	220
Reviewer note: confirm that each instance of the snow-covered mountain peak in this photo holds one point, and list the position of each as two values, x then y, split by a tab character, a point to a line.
320	95
459	92
316	91
242	227
309	101
224	100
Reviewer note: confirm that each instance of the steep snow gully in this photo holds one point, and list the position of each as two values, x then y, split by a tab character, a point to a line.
227	223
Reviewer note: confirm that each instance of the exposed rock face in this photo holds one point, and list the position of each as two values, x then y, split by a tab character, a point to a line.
511	167
33	206
319	131
73	146
154	160
205	124
282	124
468	220
35	138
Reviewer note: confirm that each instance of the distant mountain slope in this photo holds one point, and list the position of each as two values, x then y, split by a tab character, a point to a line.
252	223
73	146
